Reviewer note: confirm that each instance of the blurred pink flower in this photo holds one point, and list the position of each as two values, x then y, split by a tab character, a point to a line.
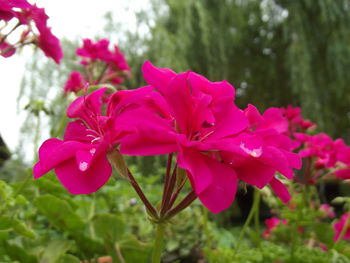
271	224
75	83
339	226
328	210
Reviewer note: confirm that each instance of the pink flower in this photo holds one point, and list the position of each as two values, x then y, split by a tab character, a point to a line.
257	153
95	51
189	115
50	45
75	83
272	224
328	210
339	226
79	159
296	120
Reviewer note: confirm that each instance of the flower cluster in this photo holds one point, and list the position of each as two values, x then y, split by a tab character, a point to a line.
101	66
325	153
25	16
184	114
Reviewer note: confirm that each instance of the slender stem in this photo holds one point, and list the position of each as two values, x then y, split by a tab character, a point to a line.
257	210
140	193
252	211
13	29
176	194
99	78
168	193
182	205
167	177
158	243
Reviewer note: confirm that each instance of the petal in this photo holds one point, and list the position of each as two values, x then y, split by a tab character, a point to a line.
255	173
151	136
77	131
84	106
53	152
84	182
214	183
157	77
280	189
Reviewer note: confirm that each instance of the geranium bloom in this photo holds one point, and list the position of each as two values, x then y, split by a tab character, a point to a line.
271	224
339	226
75	82
79	159
328	210
27	14
258	152
189	115
115	67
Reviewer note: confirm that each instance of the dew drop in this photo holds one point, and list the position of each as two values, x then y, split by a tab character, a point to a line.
83	166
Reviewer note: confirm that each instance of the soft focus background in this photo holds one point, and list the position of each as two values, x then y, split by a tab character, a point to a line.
274	52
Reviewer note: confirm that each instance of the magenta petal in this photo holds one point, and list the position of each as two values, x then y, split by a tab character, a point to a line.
280	190
149	139
343	174
78	182
275	158
77	131
214	183
53	152
255	173
92	103
253	115
157	77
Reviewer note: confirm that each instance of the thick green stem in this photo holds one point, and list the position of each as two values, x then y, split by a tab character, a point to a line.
254	210
158	243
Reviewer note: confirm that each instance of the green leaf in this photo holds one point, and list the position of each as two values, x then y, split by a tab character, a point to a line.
16	252
135	251
54	250
22	229
109	227
59	213
68	259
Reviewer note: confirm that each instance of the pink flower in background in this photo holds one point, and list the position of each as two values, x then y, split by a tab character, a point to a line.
339	226
75	83
97	55
80	160
27	14
95	51
190	115
272	224
296	120
50	45
328	210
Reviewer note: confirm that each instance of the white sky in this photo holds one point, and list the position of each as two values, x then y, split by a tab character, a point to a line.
68	18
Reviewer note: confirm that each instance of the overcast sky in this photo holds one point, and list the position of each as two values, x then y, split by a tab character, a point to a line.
70	19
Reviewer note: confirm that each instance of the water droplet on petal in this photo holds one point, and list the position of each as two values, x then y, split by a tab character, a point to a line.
92	151
83	166
254	152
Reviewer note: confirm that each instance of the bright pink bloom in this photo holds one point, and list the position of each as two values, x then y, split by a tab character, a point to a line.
80	160
75	83
328	210
296	120
50	45
339	226
190	115
257	153
272	224
95	51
